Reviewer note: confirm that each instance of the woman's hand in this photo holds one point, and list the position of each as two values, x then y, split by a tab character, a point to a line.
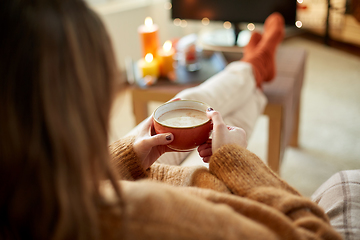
148	145
149	148
205	151
222	134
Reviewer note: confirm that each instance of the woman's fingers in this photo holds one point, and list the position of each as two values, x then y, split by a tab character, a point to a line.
205	153
218	122
223	134
205	145
158	140
206	159
205	150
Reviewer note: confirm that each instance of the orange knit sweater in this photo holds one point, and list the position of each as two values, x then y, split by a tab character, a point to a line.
238	197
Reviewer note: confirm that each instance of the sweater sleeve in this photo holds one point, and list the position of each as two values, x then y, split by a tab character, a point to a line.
125	161
127	165
192	176
241	170
247	176
159	211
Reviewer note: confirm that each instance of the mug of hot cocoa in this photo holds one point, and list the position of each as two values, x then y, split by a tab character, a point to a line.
186	120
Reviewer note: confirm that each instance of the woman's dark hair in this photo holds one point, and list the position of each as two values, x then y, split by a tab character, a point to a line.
57	73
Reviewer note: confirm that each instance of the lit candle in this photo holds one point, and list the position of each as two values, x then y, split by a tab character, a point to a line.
166	60
149	37
148	66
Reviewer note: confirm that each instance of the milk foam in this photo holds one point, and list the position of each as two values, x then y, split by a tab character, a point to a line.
183	118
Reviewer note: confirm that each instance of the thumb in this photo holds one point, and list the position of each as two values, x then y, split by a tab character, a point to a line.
218	122
219	130
159	139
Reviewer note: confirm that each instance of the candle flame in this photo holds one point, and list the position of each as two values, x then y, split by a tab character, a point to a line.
167	46
149	57
148	22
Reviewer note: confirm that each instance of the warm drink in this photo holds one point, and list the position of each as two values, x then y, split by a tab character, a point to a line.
186	120
183	118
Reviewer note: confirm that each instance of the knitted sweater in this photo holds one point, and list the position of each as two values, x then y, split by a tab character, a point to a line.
238	197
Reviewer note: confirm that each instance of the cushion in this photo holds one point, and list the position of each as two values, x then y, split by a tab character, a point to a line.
339	196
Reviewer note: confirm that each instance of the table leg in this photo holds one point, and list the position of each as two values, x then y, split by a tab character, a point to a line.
294	141
274	142
140	108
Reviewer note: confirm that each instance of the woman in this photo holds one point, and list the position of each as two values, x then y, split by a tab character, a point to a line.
55	102
57	181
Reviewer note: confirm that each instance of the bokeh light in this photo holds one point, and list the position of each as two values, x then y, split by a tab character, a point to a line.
227	25
205	21
251	27
298	24
168	5
183	23
177	21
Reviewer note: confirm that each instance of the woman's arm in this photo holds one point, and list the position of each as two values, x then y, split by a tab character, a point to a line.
128	166
125	160
247	176
242	171
134	154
